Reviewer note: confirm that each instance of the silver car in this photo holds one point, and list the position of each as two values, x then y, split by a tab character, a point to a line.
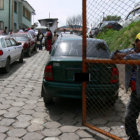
10	51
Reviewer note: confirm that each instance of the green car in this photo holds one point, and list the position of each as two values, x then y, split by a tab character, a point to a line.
66	61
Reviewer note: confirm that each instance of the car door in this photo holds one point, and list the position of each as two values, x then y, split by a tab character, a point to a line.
32	43
5	50
11	49
18	48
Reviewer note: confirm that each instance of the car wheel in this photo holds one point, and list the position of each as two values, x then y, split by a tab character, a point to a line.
46	97
111	102
29	53
7	67
21	58
35	48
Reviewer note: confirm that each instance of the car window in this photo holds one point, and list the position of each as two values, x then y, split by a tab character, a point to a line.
130	16
13	42
74	48
137	12
3	43
8	43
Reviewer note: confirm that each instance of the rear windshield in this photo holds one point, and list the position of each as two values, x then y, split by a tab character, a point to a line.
97	49
20	37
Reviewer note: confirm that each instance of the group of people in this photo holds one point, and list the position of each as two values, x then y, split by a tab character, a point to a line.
48	38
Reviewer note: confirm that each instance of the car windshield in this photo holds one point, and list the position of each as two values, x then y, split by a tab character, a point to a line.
97	49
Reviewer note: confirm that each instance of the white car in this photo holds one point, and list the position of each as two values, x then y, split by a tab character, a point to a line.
133	16
10	51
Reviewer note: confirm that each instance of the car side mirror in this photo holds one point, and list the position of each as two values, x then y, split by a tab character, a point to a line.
18	43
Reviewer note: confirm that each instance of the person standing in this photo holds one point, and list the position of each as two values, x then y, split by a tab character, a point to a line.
55	36
39	39
32	32
49	41
5	31
132	79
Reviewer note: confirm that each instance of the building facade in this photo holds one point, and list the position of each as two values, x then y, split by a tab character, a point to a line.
15	14
51	23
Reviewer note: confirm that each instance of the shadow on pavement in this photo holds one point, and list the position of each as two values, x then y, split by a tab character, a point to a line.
13	68
69	112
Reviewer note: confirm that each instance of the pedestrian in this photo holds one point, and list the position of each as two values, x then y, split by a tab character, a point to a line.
22	30
49	41
11	32
5	31
132	79
32	32
39	39
55	36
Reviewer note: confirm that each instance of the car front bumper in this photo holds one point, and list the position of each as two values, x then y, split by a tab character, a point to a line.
74	90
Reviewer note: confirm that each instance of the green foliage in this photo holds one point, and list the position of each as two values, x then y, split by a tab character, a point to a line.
112	18
122	39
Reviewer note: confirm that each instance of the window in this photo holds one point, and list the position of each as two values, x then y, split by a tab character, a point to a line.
74	48
15	7
23	11
1	4
8	43
1	25
13	42
137	12
130	15
3	43
26	13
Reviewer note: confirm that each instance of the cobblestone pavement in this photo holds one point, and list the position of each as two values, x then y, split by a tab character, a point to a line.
23	115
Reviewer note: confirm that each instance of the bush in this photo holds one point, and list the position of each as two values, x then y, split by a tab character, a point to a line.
122	39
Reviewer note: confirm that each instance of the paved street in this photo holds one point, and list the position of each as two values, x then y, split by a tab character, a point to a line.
23	114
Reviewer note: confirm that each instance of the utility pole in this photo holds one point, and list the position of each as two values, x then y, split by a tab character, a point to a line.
12	5
9	14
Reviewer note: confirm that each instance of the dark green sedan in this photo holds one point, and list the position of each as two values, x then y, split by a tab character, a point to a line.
66	61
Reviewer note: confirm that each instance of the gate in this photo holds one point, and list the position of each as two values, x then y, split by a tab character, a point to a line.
104	95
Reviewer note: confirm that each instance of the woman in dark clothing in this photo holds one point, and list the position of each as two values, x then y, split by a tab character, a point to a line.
39	39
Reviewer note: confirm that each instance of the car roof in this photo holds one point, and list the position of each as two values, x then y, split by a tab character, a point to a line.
4	36
76	37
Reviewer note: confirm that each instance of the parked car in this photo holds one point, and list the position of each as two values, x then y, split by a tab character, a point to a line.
133	16
66	61
10	51
27	41
110	25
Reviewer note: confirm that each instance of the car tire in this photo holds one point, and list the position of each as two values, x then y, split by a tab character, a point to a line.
29	53
46	97
21	58
7	67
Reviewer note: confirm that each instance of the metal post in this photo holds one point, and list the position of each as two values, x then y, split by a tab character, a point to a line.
12	14
83	63
9	14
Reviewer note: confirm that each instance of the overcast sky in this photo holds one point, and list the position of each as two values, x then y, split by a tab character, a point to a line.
62	9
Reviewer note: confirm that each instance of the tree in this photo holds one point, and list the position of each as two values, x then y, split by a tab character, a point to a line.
110	18
74	22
